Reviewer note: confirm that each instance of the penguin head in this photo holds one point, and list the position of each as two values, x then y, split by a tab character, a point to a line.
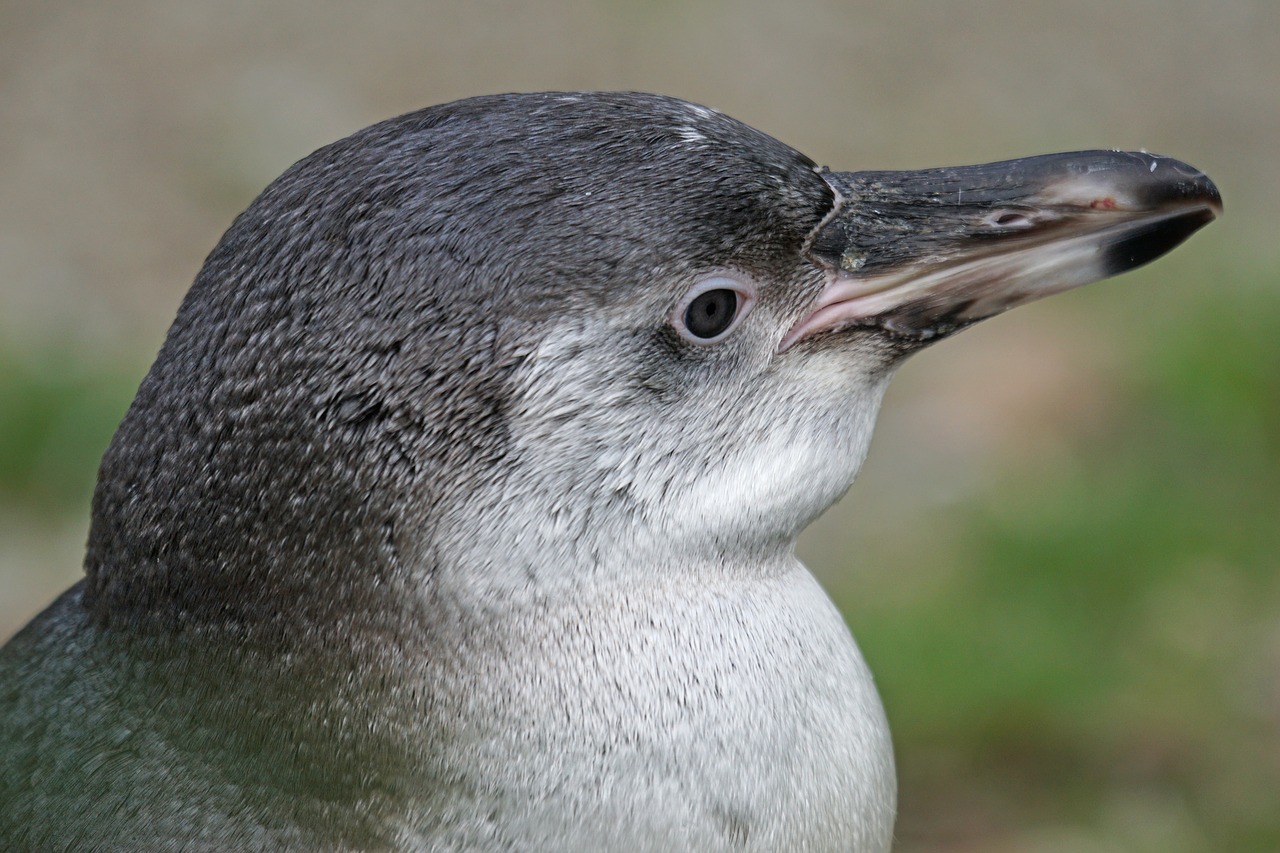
522	339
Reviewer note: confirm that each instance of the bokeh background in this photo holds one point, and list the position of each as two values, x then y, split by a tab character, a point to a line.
1061	558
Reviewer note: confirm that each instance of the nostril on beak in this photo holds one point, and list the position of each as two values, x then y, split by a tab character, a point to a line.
1009	220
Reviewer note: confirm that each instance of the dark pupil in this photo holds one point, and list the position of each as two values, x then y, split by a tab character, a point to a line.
711	313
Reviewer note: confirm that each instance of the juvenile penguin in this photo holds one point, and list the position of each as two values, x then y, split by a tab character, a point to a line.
458	510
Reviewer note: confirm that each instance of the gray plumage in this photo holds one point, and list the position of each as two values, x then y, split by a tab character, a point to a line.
436	525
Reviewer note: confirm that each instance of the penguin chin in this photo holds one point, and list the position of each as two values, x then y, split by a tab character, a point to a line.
608	495
796	452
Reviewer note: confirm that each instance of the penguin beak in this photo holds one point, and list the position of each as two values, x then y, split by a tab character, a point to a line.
923	254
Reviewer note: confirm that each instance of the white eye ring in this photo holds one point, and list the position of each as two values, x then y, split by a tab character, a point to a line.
712	309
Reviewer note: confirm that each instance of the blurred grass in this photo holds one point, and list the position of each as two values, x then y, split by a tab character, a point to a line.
58	410
56	416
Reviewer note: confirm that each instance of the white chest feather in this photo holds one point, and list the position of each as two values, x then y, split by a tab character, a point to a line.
737	715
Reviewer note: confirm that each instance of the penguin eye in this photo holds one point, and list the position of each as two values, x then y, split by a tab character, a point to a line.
711	309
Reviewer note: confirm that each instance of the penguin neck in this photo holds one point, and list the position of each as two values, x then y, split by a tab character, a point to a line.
502	578
642	513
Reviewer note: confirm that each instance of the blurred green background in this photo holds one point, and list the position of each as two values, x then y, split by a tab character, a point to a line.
1061	558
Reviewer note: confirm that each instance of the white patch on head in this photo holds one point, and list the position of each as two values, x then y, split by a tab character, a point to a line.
770	480
606	477
691	135
801	454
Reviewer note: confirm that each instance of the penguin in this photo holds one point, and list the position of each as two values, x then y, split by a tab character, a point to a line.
458	509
